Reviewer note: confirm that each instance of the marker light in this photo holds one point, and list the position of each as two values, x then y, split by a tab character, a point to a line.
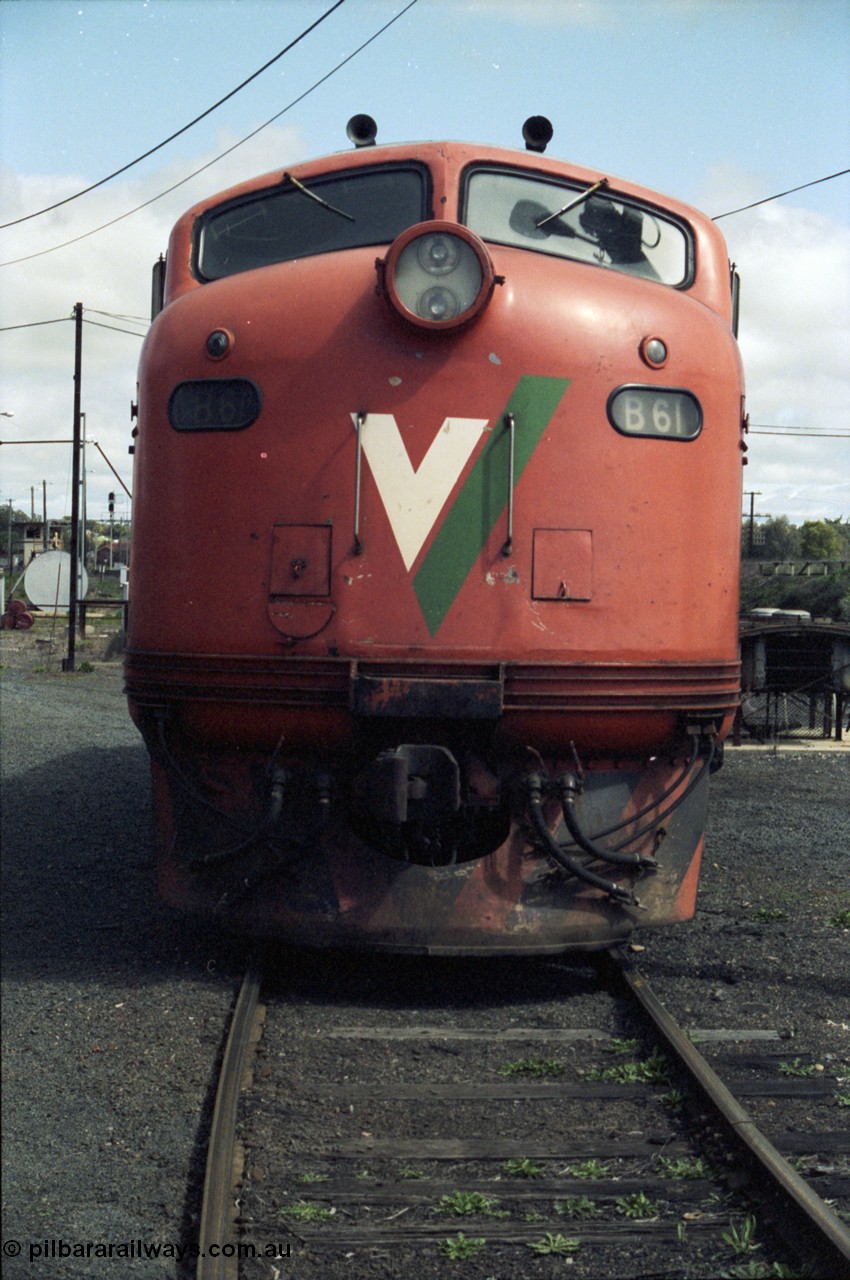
219	343
438	275
654	352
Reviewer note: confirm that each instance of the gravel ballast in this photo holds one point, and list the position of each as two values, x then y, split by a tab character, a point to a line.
114	1007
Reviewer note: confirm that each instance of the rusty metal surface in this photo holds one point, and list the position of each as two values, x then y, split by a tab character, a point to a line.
303	681
337	890
393	696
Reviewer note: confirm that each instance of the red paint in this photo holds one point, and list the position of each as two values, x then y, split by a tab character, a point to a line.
256	610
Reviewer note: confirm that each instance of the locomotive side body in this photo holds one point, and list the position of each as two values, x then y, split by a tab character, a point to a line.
434	604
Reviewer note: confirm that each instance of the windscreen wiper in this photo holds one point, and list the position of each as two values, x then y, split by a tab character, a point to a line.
287	177
572	204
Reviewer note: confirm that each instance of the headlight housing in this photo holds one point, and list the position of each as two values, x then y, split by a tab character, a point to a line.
437	275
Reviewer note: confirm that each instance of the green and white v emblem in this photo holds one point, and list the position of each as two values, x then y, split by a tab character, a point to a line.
414	500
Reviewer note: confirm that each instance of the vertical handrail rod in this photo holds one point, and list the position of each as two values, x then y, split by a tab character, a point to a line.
508	544
358	427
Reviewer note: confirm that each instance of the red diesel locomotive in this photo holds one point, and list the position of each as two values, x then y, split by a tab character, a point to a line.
433	627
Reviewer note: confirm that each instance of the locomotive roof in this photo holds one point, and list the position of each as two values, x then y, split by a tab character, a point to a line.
446	160
456	155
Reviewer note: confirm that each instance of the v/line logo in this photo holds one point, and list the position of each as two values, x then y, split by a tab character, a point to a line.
414	500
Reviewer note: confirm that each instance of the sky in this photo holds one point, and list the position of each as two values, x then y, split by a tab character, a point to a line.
719	103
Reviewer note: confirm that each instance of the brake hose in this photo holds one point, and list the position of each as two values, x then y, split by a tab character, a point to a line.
534	785
570	788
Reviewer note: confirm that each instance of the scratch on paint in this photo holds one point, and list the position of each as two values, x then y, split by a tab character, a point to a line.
536	620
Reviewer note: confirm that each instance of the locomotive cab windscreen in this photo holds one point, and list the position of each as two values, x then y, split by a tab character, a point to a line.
527	211
302	219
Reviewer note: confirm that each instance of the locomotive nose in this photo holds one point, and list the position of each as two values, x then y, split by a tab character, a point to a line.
437	275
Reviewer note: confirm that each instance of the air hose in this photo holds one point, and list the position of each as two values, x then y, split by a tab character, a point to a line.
534	787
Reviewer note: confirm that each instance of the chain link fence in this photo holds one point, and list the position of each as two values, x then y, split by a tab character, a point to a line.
809	713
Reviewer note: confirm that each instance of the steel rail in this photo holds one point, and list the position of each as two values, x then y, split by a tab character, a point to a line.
217	1203
804	1216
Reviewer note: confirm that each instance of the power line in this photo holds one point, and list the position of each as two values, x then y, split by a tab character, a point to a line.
152	150
778	429
99	325
35	324
780	194
11	262
113	315
801	431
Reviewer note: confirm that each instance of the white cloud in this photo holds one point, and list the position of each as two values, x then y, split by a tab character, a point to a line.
794	337
108	272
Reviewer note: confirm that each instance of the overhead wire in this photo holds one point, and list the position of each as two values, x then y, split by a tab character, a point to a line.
115	315
37	324
780	194
99	325
34	324
178	132
798	431
103	227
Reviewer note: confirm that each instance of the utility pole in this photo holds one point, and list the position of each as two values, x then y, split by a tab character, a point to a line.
752	494
68	663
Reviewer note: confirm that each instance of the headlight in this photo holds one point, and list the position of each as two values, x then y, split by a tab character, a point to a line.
438	275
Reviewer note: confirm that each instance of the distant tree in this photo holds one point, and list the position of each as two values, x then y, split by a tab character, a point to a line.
842	528
779	540
820	540
11	518
825	596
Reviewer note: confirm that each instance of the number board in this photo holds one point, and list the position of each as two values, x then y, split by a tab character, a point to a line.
664	413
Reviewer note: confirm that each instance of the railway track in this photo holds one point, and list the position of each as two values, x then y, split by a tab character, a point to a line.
403	1119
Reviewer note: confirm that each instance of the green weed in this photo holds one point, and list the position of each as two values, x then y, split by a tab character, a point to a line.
532	1067
741	1238
460	1247
616	1045
637	1206
304	1212
796	1068
688	1167
653	1070
555	1244
523	1168
589	1169
464	1203
579	1208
